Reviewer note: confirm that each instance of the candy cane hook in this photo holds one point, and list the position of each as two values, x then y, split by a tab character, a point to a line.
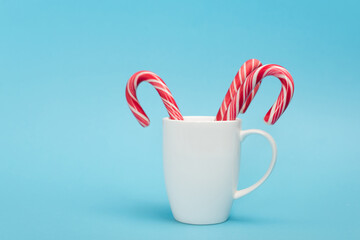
161	88
252	82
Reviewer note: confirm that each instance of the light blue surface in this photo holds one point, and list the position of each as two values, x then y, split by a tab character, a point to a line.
75	164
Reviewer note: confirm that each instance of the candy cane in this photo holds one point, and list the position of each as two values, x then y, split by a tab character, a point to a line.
160	87
248	67
252	82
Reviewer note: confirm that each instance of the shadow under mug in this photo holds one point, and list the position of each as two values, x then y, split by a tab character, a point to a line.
201	166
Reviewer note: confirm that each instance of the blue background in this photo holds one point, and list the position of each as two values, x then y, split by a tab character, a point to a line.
75	164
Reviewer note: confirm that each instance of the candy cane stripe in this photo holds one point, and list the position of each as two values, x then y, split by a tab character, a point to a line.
240	77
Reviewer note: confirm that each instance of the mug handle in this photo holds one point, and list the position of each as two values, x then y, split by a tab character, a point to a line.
243	134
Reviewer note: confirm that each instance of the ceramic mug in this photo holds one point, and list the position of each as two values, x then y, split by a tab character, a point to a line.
201	166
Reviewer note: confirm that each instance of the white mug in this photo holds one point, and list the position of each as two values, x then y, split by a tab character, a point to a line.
201	167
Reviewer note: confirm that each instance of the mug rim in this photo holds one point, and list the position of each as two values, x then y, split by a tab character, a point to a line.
201	119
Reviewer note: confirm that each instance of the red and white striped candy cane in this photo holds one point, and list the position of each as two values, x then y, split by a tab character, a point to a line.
248	67
161	88
251	83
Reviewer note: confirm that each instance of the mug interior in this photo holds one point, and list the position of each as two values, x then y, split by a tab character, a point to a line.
201	119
